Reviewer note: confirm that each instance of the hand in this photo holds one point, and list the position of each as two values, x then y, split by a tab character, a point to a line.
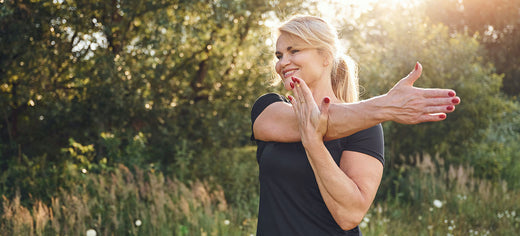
312	121
411	105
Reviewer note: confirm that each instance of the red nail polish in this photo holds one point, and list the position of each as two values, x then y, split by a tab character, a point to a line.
294	79
290	98
455	100
451	93
450	108
292	84
442	116
416	65
326	100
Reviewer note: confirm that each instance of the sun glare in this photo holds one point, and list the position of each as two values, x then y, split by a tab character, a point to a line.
338	10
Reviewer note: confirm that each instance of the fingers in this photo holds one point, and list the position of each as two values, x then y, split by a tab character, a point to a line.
432	117
437	93
324	108
441	101
413	76
302	92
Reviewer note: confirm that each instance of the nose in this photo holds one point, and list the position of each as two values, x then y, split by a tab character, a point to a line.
284	61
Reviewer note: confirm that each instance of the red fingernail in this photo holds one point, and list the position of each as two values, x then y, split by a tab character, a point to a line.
292	84
451	93
455	100
326	100
290	98
294	79
450	108
442	116
416	65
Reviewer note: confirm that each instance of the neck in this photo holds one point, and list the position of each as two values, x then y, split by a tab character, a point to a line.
321	89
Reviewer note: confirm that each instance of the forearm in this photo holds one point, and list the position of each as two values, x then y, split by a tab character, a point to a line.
344	198
348	118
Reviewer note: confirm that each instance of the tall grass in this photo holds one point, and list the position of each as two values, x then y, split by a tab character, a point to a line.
431	199
123	203
426	199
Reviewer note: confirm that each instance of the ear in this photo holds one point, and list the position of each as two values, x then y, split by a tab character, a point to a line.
326	60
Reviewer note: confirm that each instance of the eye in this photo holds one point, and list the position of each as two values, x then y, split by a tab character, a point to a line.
278	56
294	51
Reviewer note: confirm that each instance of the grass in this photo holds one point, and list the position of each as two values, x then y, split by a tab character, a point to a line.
124	203
421	200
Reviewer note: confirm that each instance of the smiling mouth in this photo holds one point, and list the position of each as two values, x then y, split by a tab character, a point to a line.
290	73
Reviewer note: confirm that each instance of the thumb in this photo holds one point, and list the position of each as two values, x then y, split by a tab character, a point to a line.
324	108
413	76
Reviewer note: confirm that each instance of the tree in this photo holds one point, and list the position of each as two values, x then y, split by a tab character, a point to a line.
387	47
496	26
171	79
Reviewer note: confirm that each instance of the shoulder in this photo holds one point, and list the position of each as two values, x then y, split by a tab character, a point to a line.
263	102
272	119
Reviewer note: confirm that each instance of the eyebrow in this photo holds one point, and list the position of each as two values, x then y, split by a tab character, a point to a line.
288	49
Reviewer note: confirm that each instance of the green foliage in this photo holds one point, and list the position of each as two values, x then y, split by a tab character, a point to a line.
388	46
496	25
89	87
124	203
142	81
432	200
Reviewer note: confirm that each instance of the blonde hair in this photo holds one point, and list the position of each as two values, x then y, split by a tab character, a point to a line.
321	35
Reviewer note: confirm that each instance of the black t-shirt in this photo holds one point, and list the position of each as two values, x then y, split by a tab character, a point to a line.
290	200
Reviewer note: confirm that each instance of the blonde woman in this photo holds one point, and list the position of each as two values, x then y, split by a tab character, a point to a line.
321	165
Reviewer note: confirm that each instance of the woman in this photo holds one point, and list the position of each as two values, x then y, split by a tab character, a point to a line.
320	167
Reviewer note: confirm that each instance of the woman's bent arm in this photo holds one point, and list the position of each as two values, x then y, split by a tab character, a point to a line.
403	104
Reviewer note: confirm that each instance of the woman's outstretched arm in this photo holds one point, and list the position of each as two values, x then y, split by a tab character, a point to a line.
403	104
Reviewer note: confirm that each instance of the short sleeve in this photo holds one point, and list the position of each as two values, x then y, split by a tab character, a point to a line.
261	103
369	141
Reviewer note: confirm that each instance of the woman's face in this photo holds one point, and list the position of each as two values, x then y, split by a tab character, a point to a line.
296	58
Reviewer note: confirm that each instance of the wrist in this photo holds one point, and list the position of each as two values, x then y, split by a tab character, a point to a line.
310	142
378	109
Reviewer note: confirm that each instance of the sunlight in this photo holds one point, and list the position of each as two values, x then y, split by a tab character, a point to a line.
339	10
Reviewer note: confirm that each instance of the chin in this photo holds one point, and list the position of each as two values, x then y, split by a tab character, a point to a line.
287	83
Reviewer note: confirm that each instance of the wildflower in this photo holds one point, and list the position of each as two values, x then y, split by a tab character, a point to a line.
138	223
437	203
84	171
226	222
91	232
363	224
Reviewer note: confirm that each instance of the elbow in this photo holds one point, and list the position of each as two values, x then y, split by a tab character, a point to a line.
350	221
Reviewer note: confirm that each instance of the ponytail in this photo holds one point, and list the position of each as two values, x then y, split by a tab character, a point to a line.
344	79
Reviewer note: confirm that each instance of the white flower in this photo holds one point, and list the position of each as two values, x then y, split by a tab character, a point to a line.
363	224
138	223
226	222
437	203
91	232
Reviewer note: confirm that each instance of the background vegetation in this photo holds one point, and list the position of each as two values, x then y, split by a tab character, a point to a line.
132	117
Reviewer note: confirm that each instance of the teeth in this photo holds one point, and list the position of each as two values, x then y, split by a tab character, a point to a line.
289	73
